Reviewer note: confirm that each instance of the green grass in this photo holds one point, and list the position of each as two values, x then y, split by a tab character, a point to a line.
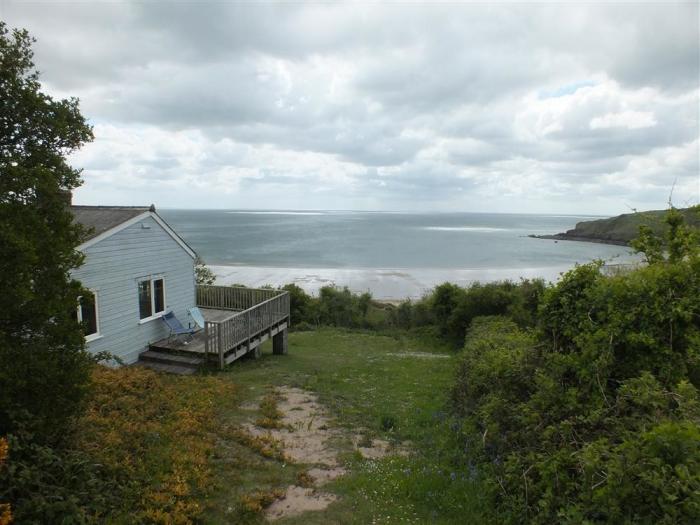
371	385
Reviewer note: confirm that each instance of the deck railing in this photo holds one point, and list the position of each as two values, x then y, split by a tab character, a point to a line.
232	297
256	312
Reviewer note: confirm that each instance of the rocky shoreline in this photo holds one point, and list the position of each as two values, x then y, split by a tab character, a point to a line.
622	229
581	238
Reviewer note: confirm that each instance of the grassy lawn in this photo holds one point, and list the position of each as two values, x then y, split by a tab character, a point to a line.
390	387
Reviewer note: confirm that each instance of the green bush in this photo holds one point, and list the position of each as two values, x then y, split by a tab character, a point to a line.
452	308
53	485
387	422
333	307
299	304
495	375
449	308
593	417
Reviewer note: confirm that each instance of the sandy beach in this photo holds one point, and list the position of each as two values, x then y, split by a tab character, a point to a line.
383	283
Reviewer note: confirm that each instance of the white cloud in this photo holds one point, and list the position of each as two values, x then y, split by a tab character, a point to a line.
561	108
625	119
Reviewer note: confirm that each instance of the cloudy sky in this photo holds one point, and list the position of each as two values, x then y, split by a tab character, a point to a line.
547	107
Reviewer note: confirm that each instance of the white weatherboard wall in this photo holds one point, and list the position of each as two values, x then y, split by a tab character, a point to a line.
114	266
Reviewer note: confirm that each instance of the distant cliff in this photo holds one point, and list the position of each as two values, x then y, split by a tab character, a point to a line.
623	228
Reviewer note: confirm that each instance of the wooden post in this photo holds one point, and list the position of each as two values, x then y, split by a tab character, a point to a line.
220	344
279	343
248	330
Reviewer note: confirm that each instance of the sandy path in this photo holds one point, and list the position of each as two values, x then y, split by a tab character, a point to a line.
307	434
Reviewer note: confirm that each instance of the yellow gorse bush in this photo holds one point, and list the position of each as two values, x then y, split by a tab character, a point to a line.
5	514
5	510
264	444
259	500
155	432
271	417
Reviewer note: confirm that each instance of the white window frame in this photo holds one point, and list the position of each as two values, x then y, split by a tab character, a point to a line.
79	313
154	314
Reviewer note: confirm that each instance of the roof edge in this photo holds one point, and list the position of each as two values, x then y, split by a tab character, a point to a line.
119	227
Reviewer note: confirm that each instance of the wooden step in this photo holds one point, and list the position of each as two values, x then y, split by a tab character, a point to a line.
171	363
168	368
171	358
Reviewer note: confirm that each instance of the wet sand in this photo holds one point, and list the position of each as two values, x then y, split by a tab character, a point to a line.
386	284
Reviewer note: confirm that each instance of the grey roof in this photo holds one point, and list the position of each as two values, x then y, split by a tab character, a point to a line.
99	219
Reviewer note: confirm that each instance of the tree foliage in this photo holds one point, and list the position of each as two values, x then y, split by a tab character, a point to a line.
202	273
451	308
333	307
43	365
594	416
681	239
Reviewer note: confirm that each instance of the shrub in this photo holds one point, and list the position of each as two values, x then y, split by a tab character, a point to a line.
333	306
5	510
140	454
50	485
202	273
270	415
303	327
452	308
594	417
387	422
401	316
445	300
494	377
299	304
336	306
258	501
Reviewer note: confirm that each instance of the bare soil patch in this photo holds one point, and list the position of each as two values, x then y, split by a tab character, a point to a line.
377	448
298	500
306	434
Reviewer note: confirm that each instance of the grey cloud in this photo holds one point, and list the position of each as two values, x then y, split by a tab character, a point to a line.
428	91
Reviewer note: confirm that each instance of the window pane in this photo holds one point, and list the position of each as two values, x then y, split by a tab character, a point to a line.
158	295
145	299
88	313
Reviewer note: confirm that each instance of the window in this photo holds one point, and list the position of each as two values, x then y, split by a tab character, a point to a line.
151	297
87	315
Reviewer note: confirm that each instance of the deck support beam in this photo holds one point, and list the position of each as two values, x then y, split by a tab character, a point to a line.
279	343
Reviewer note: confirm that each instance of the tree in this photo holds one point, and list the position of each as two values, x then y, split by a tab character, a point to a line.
202	274
681	240
44	367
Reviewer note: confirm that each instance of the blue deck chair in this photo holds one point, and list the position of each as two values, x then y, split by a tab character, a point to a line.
175	326
197	316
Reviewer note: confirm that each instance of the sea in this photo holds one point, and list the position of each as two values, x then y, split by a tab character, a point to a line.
393	255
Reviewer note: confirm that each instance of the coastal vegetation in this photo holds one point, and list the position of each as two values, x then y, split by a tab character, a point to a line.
444	313
623	229
582	409
574	402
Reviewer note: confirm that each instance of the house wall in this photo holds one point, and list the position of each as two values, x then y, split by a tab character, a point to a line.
113	267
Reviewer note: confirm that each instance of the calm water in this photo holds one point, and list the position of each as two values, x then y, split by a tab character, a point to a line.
348	248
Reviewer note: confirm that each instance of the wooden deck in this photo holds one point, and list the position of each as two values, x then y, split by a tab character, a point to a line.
196	343
237	321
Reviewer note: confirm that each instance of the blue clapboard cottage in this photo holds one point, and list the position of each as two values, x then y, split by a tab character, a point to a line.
138	269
